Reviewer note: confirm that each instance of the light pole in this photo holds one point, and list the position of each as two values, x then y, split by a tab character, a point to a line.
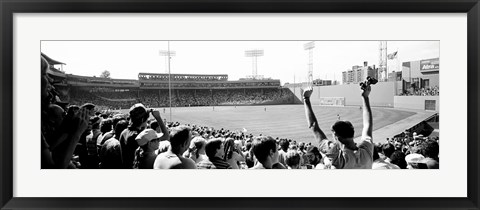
383	60
168	55
309	46
254	54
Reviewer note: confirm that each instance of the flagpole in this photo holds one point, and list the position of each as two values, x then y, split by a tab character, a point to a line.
398	62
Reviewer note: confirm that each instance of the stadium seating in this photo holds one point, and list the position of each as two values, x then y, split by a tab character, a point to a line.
179	98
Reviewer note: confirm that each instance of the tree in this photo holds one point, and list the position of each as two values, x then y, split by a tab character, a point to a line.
105	74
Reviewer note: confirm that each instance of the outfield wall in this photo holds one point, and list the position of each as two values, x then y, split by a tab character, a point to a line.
382	94
298	95
416	102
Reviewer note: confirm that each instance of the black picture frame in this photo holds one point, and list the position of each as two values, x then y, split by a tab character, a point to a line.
10	7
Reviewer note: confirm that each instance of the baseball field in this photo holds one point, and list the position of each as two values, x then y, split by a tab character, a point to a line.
283	121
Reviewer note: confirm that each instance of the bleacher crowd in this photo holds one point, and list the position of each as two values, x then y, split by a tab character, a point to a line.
429	91
81	137
180	98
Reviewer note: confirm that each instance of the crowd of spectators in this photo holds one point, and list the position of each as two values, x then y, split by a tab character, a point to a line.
212	84
174	77
151	98
410	151
204	97
429	91
117	95
109	134
110	100
180	98
82	137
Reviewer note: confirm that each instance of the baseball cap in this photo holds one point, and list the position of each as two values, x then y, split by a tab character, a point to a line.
138	111
414	158
147	135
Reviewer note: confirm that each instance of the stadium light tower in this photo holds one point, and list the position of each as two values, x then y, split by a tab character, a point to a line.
254	54
309	46
168	56
382	61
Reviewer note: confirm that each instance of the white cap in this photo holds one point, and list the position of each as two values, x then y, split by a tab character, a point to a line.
147	135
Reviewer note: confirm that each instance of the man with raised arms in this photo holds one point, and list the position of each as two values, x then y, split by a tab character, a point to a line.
342	150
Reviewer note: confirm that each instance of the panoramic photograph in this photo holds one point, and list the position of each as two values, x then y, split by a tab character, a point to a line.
300	104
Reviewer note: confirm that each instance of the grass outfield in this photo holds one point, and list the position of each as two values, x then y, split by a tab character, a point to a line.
284	121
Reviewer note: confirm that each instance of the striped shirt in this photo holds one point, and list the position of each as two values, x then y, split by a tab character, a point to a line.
205	164
220	163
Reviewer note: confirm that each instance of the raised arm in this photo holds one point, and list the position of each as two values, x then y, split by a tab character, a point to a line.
62	153
311	119
367	113
166	135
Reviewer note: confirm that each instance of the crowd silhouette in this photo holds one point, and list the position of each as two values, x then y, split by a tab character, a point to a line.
81	137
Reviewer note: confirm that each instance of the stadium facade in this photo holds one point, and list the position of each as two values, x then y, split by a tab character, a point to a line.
404	89
421	73
164	90
416	86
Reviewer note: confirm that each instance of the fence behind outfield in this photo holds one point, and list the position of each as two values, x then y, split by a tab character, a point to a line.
332	101
382	94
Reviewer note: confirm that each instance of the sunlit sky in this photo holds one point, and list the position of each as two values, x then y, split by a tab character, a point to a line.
284	60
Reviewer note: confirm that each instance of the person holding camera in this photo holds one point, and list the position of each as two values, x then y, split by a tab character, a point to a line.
58	145
138	122
342	152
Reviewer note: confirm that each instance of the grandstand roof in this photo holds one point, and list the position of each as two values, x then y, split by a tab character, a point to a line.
88	77
51	61
55	72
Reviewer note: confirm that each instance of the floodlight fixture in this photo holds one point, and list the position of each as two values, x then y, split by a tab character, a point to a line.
309	46
168	56
254	54
167	53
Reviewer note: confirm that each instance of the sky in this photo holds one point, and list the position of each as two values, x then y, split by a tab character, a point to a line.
284	60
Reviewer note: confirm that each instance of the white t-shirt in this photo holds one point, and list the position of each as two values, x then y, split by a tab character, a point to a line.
361	158
381	164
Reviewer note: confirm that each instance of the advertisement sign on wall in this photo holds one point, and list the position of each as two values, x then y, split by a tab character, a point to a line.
430	65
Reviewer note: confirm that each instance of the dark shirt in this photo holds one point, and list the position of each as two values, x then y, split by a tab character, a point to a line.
220	163
111	155
128	145
249	160
278	166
